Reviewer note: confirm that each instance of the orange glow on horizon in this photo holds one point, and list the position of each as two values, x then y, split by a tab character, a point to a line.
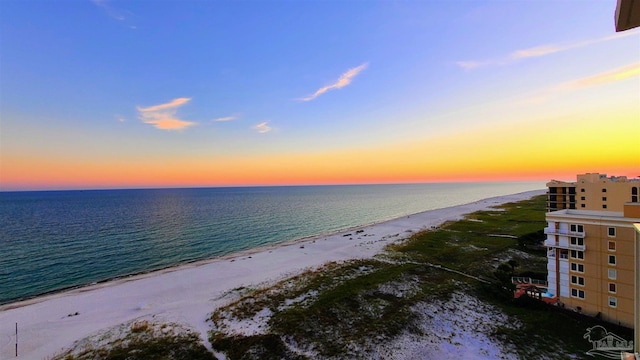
513	152
310	169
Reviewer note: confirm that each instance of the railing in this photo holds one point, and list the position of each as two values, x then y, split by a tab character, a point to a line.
528	280
577	247
553	231
553	243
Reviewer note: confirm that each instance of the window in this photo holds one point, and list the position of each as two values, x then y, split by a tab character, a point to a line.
579	280
581	190
604	206
577	241
604	190
577	228
612	287
577	267
582	198
613	274
577	293
581	205
612	231
564	254
604	198
612	259
612	246
577	254
634	194
613	302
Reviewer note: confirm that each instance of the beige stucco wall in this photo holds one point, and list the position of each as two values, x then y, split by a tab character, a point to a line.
596	266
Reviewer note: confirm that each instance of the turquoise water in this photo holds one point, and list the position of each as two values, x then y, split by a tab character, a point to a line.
53	240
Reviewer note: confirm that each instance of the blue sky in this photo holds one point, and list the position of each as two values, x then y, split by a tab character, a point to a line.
203	84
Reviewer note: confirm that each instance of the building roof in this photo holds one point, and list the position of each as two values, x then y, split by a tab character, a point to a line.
627	15
598	213
591	215
557	183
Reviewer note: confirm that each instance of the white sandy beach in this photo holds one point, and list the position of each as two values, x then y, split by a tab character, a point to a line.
187	294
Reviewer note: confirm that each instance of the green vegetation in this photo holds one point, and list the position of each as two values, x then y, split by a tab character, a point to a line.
342	302
343	310
472	244
346	310
549	329
141	340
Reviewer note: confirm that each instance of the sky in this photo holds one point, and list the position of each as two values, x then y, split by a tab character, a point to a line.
136	94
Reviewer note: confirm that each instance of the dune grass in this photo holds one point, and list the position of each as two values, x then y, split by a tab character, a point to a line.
141	340
353	308
344	310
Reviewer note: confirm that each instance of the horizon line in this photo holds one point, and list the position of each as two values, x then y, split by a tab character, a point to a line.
267	185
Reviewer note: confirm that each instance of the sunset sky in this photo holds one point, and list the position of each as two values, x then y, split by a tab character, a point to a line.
131	94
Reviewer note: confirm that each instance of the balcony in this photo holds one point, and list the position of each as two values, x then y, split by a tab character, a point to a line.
529	281
577	247
554	244
553	231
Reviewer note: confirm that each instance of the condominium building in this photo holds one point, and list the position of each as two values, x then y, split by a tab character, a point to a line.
561	195
591	245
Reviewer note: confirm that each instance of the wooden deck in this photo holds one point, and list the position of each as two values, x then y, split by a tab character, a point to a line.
533	288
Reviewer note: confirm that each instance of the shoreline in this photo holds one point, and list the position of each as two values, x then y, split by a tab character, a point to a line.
34	298
12	304
187	292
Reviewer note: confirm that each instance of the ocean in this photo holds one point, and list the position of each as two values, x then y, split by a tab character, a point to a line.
54	240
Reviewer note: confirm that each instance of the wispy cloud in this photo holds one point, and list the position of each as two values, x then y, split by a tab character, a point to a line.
112	12
121	118
344	80
538	51
468	65
226	118
607	77
262	128
163	116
